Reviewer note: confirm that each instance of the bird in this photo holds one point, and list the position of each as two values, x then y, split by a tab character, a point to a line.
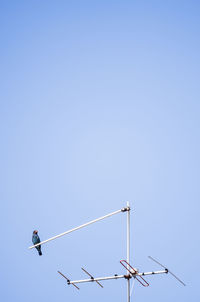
35	240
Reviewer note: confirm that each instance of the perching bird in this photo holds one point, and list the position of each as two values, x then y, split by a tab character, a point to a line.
35	240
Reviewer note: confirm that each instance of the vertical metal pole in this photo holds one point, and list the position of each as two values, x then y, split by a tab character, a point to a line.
128	250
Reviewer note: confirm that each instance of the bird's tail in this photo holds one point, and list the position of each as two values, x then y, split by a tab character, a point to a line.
39	250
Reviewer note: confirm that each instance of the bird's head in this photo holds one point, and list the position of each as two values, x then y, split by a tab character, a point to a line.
35	232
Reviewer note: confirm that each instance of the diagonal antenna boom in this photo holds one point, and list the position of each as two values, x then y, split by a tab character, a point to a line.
79	227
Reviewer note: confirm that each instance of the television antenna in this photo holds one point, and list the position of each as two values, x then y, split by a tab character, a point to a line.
131	272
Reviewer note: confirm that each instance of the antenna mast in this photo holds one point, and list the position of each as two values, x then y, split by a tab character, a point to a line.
128	249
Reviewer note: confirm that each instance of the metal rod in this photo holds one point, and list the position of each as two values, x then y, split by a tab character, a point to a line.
68	281
167	270
92	277
97	279
117	277
64	276
79	227
128	249
152	273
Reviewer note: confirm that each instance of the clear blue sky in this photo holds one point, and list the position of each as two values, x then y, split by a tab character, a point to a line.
99	104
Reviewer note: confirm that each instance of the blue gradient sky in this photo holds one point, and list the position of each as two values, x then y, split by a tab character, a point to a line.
99	104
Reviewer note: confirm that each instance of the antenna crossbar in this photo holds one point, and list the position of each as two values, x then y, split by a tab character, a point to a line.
92	279
97	279
152	273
